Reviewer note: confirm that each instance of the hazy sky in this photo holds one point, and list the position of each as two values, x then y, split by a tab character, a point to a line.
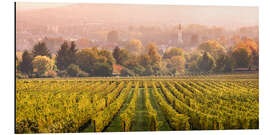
227	16
31	5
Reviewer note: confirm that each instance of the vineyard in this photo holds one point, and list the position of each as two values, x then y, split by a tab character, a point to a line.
205	102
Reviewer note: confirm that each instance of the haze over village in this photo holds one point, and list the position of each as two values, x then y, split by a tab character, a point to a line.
89	25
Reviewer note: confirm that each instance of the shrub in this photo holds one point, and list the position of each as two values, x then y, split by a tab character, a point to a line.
51	74
126	72
21	76
62	73
74	71
82	74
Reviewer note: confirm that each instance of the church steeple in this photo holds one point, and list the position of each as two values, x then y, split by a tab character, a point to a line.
180	38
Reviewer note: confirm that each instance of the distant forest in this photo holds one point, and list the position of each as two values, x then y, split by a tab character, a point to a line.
134	58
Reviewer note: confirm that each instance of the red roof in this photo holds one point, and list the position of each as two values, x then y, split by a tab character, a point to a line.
117	68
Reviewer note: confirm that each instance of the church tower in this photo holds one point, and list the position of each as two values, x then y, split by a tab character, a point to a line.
180	38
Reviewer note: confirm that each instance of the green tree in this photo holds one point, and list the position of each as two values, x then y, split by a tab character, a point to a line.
102	69
206	63
228	64
62	57
86	58
116	54
224	63
220	63
192	61
17	63
66	55
126	72
109	57
255	59
72	53
95	62
41	49
148	71
241	58
26	65
42	64
139	70
74	70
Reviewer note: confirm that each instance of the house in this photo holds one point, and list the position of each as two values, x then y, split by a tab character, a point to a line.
117	69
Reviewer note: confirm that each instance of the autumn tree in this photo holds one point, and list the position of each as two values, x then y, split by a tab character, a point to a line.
144	60
153	53
134	46
176	64
212	47
173	52
133	65
251	49
179	63
42	64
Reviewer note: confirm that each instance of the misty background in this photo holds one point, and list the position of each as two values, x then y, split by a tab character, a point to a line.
89	24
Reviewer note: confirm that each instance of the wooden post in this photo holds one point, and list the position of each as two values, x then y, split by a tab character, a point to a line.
94	126
106	101
124	126
174	103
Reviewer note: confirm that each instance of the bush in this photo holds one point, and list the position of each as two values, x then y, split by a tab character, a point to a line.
83	74
102	69
51	74
21	76
62	73
126	72
74	71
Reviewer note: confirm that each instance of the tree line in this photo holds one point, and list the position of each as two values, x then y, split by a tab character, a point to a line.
209	57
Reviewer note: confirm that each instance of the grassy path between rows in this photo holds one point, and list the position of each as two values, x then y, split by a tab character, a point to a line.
140	123
163	125
115	125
